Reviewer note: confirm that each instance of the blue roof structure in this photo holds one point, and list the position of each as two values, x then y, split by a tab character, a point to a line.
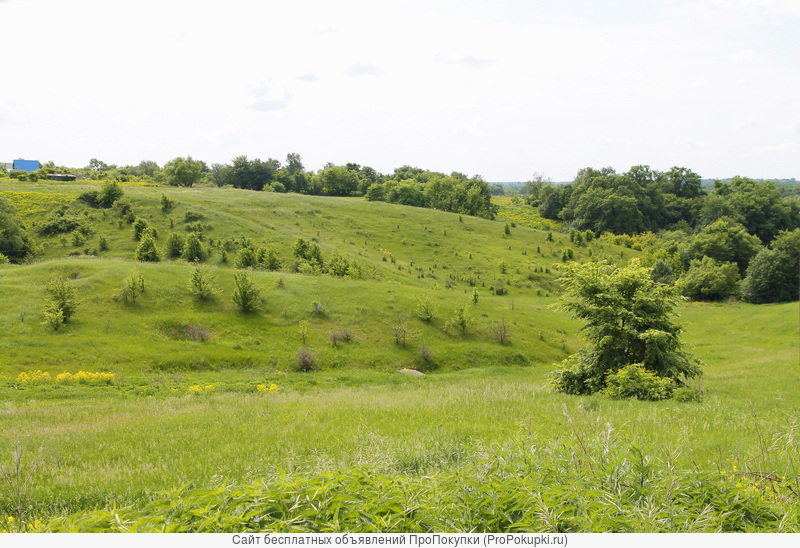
26	165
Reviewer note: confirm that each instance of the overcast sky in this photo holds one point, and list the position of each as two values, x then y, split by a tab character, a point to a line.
502	88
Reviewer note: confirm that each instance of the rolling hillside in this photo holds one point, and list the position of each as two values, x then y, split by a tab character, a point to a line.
404	254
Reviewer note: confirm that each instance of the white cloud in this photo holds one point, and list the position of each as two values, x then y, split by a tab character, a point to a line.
503	89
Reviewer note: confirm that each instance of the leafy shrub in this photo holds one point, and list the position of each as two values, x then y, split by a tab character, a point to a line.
152	231
197	227
634	381
61	301
147	250
686	394
132	286
425	309
193	250
774	274
460	319
139	226
245	294
174	245
54	318
166	203
709	280
192	216
310	252
271	260
90	198
59	222
627	318
109	193
339	266
246	258
201	285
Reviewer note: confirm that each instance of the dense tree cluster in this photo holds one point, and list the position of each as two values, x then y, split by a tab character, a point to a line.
706	238
643	200
455	193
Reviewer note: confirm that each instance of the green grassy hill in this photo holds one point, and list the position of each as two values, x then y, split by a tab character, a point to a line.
205	402
404	253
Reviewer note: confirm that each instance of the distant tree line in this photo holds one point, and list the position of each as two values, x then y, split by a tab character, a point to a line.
737	238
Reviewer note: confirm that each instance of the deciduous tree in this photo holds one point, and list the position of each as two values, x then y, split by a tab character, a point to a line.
627	321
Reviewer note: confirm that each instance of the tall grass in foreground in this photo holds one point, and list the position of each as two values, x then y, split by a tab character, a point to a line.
601	486
482	449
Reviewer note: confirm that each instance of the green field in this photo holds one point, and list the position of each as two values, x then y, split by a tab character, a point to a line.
186	434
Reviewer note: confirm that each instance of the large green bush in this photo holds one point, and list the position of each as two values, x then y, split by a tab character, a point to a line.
14	241
774	274
709	280
628	321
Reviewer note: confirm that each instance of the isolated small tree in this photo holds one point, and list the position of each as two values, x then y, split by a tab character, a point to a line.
61	298
193	250
425	309
501	331
60	304
401	331
302	329
460	319
132	286
147	250
627	320
166	204
245	293
201	285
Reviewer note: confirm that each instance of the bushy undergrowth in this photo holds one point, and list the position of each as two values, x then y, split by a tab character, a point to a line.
529	488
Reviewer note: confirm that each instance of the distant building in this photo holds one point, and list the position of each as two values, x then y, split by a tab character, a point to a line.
26	165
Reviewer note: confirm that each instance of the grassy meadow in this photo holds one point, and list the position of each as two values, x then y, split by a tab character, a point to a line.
203	423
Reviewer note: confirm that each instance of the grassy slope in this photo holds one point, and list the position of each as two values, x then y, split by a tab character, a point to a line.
404	252
119	444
